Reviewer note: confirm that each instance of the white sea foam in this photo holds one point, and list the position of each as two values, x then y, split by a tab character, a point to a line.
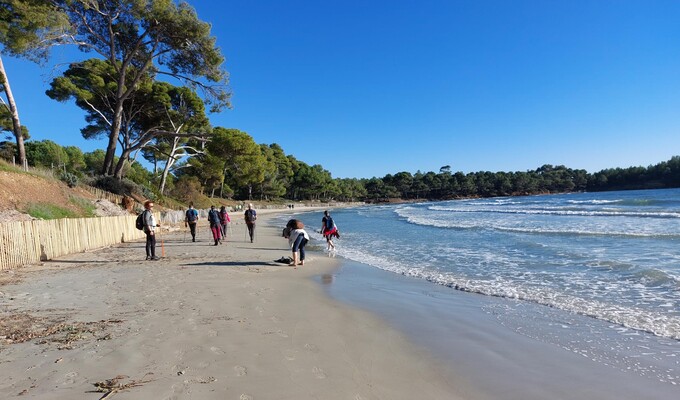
658	323
560	211
517	227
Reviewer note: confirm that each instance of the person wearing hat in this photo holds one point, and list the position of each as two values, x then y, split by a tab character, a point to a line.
250	217
150	226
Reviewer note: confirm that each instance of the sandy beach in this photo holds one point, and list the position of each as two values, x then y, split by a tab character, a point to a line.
205	322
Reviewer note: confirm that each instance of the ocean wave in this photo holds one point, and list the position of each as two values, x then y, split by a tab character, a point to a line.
658	323
545	230
561	211
656	278
596	202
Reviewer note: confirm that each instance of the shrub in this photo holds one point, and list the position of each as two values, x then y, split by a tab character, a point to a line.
70	179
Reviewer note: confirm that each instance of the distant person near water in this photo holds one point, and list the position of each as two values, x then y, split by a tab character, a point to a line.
250	216
298	238
224	220
328	229
215	227
150	226
191	220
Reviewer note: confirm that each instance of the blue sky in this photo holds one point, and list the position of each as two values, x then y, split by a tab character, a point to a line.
367	88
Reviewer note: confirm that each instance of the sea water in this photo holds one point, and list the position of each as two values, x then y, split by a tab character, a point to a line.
606	262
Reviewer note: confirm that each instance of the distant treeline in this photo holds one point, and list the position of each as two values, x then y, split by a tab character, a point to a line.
546	179
223	169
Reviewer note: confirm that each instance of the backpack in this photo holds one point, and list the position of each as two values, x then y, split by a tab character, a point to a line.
213	218
139	222
192	215
251	215
329	223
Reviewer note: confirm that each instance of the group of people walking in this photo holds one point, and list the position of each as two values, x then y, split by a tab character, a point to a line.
219	220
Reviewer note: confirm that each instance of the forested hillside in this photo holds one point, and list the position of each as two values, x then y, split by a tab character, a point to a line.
155	76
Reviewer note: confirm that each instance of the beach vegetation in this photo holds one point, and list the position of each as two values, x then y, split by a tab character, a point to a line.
49	211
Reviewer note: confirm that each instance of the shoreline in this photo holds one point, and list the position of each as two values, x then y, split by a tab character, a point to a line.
473	335
205	322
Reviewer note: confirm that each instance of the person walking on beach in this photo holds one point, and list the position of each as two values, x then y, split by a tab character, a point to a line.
191	220
215	227
328	229
250	217
297	239
224	220
150	226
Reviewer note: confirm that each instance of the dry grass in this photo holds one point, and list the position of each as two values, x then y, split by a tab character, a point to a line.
22	327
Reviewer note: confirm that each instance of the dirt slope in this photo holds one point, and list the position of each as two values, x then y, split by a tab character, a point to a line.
18	191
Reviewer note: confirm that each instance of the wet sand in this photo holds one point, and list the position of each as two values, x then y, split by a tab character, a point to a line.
547	354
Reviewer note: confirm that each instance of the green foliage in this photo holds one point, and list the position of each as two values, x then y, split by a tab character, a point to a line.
48	211
76	159
29	27
7	150
122	186
140	39
87	209
94	161
136	173
70	179
46	154
187	189
241	158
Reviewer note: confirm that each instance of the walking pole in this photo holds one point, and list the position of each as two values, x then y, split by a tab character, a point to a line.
162	245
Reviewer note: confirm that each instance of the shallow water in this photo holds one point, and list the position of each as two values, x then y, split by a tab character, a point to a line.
595	273
613	256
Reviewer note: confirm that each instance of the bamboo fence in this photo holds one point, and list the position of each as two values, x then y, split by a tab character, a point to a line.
28	242
103	194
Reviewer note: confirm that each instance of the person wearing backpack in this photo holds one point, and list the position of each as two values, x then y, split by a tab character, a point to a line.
215	227
328	229
250	217
191	220
150	226
224	220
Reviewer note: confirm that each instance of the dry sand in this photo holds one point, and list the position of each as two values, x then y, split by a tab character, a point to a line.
205	322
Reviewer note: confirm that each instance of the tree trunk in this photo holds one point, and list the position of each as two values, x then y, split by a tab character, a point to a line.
108	168
16	125
118	172
168	164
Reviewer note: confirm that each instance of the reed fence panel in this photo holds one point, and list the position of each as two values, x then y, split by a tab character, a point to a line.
28	242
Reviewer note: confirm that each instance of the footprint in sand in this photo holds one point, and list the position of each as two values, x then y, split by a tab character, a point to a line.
70	378
311	347
212	333
240	370
203	365
319	373
282	333
245	397
289	354
275	319
217	350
